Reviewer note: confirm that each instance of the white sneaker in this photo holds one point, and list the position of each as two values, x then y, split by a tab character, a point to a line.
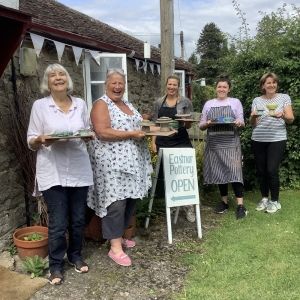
190	213
262	205
273	206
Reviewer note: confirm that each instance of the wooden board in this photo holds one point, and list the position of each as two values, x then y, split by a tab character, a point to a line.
223	123
161	133
187	120
68	137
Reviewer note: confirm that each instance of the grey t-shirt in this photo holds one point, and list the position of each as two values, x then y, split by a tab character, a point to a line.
268	128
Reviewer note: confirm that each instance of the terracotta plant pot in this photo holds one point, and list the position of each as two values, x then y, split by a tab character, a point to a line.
31	248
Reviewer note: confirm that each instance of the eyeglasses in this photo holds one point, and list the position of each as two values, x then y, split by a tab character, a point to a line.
113	71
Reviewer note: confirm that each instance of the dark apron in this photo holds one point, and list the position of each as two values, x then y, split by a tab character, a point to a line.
223	157
178	140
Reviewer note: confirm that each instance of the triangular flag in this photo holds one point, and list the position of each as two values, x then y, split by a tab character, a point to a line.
96	56
37	42
77	53
60	47
158	69
151	67
145	67
137	64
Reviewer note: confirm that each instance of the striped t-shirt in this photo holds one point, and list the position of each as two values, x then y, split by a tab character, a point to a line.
268	128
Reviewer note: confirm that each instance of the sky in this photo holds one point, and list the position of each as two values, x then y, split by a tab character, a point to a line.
141	18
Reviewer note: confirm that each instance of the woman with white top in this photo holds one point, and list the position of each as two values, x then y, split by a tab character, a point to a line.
63	169
270	113
222	117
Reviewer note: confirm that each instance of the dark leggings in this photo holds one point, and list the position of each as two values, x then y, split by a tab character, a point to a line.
268	156
117	218
237	187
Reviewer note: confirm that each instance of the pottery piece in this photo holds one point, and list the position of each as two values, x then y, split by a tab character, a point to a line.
272	107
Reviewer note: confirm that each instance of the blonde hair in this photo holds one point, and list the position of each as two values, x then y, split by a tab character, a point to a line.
55	68
264	78
111	72
173	76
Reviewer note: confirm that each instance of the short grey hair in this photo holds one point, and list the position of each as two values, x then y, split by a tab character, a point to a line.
54	68
111	72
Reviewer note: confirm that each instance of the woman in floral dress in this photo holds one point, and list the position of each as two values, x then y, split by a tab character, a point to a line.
121	164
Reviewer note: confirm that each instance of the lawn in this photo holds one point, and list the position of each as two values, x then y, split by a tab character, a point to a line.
254	258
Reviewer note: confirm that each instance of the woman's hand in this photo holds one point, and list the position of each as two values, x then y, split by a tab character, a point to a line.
254	114
238	123
153	147
36	143
279	114
138	134
89	138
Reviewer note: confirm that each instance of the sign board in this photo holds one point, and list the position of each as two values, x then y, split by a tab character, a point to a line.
181	184
180	173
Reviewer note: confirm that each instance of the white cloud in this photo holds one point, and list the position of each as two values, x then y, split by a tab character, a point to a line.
142	18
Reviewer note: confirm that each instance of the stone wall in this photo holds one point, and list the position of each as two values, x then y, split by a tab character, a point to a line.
12	212
143	89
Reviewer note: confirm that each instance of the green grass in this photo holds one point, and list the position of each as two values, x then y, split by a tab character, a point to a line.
254	258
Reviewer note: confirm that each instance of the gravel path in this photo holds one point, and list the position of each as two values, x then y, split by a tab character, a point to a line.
156	273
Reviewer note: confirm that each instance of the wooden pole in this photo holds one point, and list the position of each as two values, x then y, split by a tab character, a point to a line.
167	40
181	45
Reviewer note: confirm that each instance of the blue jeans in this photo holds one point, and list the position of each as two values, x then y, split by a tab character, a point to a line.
66	211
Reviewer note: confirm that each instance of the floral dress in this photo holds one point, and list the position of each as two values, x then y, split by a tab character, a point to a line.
122	169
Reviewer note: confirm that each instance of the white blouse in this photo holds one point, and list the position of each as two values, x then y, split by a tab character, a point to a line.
65	162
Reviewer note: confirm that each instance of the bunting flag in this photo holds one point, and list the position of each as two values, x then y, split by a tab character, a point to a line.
77	53
137	64
37	42
151	68
60	47
96	56
145	66
158	69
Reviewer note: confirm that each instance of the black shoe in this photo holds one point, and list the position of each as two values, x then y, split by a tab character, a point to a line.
221	207
241	211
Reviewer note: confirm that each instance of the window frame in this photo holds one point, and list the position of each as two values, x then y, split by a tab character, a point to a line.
181	75
87	74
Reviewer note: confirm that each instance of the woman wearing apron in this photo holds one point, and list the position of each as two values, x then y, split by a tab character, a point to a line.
222	156
168	106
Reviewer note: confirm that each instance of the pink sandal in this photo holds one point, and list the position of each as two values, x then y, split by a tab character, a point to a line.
128	243
122	259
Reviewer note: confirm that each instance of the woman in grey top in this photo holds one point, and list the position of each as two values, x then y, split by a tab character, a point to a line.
270	114
171	104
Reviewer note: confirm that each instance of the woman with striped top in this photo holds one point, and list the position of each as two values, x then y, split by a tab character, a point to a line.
222	156
270	113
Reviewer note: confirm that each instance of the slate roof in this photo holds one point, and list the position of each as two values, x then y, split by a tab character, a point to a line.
51	17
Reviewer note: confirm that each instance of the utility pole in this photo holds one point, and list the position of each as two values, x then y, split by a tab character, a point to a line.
181	45
167	40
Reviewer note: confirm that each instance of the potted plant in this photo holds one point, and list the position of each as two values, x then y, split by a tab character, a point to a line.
31	241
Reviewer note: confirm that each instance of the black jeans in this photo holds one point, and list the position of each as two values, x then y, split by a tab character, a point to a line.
268	156
66	210
117	218
237	187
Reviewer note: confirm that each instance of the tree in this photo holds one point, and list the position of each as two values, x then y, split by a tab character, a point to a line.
211	46
275	48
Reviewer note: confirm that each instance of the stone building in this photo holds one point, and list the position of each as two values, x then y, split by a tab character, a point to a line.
37	33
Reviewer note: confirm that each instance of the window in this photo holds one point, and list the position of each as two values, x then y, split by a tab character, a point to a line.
94	74
181	75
